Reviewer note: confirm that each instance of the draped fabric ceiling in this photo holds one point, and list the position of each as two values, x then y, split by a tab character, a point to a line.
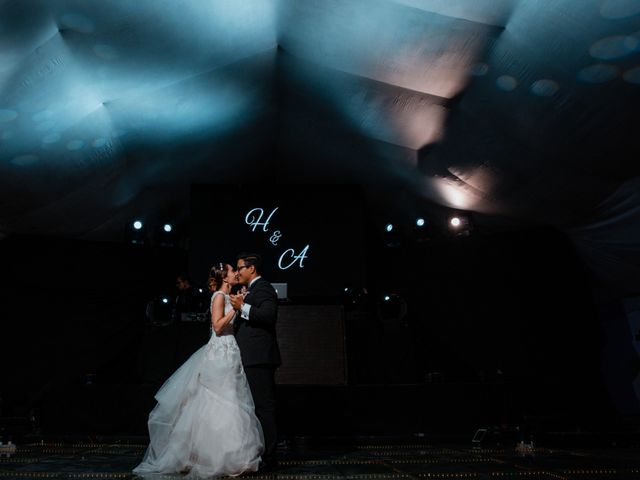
522	111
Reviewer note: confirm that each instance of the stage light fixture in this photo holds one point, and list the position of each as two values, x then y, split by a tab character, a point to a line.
392	308
159	311
422	230
166	235
135	232
355	297
460	225
392	235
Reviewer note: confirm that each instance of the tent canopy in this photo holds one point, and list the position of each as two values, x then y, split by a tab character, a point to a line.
523	112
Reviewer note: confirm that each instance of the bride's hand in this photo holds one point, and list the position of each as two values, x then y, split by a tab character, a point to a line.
236	301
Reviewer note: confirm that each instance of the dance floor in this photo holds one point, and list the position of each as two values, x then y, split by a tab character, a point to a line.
362	458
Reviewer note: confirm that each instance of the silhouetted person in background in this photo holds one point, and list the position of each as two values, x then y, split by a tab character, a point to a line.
190	317
188	299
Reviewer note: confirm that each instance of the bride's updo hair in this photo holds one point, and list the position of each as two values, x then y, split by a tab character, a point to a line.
218	272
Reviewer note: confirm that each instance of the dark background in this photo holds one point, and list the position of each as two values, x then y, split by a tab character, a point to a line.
327	218
496	328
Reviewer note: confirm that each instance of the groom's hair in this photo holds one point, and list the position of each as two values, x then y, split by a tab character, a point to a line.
251	259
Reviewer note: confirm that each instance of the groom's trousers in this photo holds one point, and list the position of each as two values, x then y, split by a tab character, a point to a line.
262	382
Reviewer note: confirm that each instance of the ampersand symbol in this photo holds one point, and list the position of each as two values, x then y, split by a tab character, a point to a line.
275	237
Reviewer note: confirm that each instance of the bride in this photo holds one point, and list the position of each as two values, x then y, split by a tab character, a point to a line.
204	422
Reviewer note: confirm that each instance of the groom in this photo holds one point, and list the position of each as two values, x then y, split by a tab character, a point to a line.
255	332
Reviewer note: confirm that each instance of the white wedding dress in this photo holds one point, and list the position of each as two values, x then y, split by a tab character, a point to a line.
205	421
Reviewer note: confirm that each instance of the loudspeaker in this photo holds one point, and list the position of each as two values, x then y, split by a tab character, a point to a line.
312	345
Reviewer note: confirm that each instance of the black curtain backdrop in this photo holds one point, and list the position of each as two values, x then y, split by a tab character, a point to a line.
501	326
73	321
327	219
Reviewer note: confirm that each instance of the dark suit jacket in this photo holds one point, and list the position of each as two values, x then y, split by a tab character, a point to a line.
256	337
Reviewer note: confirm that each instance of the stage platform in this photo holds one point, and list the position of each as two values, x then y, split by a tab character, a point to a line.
361	458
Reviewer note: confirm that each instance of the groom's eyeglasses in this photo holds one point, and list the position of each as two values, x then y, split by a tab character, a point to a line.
241	267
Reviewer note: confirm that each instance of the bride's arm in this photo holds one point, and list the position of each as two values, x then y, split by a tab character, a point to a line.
218	319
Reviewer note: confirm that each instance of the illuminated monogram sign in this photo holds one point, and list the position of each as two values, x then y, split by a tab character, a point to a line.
288	258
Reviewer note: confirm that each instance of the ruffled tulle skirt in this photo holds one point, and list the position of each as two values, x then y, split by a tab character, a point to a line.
205	421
